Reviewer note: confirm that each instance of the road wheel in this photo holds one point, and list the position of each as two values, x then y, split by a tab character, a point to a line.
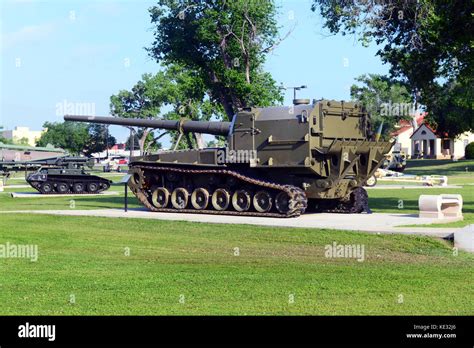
220	199
160	197
262	201
371	182
47	187
200	198
179	198
78	187
282	202
92	187
241	200
62	187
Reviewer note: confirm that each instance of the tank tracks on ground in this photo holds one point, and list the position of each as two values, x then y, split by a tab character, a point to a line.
357	202
286	201
82	186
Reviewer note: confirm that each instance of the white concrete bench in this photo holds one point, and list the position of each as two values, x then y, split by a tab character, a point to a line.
440	206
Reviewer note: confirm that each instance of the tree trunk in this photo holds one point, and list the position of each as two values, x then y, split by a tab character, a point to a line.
142	140
199	140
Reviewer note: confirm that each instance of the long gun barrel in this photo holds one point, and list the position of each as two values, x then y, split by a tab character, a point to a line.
206	127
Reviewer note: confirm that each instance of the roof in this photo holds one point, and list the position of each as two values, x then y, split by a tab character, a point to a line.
428	127
405	125
30	148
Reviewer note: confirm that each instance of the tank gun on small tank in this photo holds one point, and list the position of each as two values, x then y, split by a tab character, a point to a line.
279	161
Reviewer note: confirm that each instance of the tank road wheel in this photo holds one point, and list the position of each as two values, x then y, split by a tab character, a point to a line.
47	187
160	197
78	187
137	180
179	198
282	202
62	187
92	187
241	200
220	199
371	182
262	202
200	198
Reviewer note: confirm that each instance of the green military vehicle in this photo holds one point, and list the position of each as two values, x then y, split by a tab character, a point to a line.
279	162
65	175
58	175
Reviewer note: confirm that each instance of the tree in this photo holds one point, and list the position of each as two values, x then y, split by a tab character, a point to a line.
99	139
223	45
386	100
136	140
175	89
5	140
70	136
76	138
424	41
139	102
21	141
450	111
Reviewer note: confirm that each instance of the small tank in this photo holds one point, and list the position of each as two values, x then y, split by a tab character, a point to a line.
63	175
279	162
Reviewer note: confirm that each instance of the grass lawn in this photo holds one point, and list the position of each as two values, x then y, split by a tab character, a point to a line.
181	268
85	258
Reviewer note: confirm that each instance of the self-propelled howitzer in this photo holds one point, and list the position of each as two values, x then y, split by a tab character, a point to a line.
58	175
279	161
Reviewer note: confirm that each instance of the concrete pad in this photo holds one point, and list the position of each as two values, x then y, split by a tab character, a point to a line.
39	195
464	239
398	187
374	223
16	186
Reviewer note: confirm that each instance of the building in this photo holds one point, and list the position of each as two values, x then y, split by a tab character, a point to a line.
404	132
20	134
117	150
27	153
427	143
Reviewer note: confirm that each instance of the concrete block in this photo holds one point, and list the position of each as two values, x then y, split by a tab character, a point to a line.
464	239
440	206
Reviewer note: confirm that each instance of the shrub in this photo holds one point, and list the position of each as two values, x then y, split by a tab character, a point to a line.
469	154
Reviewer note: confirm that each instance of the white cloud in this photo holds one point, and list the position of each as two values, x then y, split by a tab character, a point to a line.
27	34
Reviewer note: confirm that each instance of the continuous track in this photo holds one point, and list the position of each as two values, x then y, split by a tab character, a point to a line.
296	197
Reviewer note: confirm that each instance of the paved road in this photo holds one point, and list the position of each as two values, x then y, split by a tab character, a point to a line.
377	222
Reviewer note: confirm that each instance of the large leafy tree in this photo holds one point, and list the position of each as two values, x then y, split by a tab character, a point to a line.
175	90
70	136
424	41
141	101
98	140
386	100
223	44
452	108
76	138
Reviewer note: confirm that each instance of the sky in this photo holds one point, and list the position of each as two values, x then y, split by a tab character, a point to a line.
60	57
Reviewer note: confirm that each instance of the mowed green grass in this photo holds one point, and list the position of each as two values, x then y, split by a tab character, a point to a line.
84	258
